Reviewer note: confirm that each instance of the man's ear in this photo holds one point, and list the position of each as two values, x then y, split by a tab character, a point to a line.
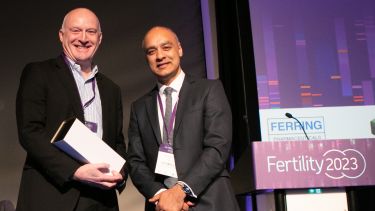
180	51
61	34
100	38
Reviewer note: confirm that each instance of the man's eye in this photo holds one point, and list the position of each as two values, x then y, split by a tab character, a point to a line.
91	31
166	48
150	52
75	30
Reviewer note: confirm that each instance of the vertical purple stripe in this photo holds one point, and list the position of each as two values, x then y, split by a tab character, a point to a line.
370	34
249	203
368	93
207	33
263	97
302	62
269	45
301	54
342	52
326	66
271	64
231	162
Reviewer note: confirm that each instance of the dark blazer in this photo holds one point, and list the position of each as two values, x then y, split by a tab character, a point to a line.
48	95
201	143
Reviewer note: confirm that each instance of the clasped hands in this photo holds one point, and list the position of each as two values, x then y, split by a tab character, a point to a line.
172	199
97	175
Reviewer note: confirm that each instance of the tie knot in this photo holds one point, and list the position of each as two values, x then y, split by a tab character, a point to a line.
168	91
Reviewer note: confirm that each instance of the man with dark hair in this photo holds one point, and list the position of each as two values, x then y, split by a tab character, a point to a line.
180	134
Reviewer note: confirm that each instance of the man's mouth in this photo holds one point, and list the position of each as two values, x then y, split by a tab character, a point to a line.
162	65
82	46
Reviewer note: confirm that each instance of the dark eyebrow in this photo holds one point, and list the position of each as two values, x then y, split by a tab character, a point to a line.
149	48
166	43
155	47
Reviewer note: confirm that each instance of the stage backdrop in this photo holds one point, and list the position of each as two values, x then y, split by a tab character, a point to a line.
29	32
316	60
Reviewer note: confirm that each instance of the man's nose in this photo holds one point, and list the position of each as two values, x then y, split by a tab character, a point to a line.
84	42
159	55
83	37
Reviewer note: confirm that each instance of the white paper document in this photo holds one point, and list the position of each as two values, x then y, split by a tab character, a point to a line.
75	139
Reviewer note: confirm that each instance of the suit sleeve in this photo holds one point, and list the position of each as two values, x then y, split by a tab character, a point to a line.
32	124
217	140
143	177
120	143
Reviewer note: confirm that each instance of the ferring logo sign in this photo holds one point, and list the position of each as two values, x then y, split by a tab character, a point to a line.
284	129
335	164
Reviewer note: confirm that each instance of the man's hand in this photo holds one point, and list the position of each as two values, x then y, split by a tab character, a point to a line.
96	175
170	200
186	205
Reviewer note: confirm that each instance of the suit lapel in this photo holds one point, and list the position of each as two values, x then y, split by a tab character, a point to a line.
152	113
70	86
183	103
104	102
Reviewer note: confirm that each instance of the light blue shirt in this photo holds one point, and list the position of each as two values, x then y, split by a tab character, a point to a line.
93	112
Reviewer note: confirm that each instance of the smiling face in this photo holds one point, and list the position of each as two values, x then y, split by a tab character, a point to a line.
163	53
80	35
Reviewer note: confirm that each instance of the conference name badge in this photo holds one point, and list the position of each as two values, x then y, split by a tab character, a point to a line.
165	164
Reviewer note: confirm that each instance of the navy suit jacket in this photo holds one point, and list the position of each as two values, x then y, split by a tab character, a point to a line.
201	144
48	95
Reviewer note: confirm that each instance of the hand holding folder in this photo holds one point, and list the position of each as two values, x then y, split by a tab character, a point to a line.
79	142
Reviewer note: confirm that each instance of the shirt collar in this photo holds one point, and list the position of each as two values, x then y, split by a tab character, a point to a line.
176	83
77	68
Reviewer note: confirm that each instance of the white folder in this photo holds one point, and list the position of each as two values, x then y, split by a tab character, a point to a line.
78	141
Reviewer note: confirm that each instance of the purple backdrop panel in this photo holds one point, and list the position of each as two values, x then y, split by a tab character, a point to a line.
314	53
303	164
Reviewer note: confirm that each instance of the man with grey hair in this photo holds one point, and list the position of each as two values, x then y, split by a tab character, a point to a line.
52	91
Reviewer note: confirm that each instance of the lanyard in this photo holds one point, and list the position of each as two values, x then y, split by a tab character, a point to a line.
85	105
171	120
